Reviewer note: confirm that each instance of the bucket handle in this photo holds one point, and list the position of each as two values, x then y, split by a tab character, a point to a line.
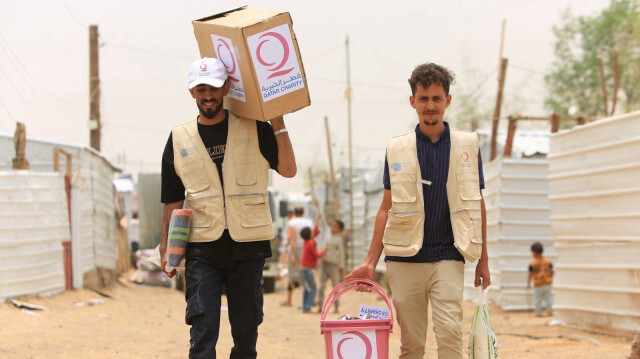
353	284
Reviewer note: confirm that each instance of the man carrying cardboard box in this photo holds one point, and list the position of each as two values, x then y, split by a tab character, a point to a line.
222	162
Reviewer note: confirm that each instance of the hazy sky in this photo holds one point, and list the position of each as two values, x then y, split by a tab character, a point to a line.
147	46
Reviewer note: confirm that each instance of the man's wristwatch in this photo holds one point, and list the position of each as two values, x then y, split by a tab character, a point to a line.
283	130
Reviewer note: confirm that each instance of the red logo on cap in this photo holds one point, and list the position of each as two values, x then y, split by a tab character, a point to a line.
231	69
285	55
203	67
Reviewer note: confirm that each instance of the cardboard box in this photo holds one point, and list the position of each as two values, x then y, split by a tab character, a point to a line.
260	52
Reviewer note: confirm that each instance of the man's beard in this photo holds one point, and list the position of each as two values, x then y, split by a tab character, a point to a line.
430	123
210	113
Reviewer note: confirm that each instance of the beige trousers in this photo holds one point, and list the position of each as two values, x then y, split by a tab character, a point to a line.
413	285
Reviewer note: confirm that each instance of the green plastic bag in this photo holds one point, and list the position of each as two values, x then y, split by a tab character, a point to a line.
482	341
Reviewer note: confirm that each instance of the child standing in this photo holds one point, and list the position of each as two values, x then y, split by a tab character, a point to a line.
541	272
308	263
333	263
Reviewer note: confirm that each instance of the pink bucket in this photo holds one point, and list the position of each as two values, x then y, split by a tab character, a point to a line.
361	338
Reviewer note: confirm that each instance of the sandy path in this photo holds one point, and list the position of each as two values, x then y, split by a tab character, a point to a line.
148	322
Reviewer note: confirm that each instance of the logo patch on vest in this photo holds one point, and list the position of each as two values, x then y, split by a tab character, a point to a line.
399	166
242	141
187	151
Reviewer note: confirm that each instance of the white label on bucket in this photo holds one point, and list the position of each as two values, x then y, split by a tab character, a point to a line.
371	312
225	53
275	61
355	344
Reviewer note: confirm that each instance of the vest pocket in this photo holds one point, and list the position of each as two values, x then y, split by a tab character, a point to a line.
467	227
401	228
245	169
469	186
203	209
194	176
253	210
404	189
199	217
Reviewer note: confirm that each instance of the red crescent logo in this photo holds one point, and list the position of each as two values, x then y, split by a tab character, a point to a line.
465	157
365	340
203	67
233	60
285	56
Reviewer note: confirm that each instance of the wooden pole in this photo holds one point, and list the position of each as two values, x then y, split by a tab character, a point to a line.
508	146
496	112
334	186
94	89
555	123
504	25
350	154
494	125
311	182
616	82
20	143
604	86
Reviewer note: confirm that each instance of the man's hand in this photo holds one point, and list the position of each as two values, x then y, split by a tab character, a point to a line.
482	271
164	237
164	261
364	270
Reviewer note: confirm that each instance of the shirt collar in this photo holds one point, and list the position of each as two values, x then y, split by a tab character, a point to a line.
444	136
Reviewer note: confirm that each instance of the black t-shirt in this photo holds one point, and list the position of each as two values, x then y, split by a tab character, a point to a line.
214	137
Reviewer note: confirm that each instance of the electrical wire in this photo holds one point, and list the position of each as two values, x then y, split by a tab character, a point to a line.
36	92
153	52
481	83
522	68
6	109
325	53
77	20
17	63
14	86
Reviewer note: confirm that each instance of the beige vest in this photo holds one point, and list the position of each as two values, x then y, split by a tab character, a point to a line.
243	205
404	231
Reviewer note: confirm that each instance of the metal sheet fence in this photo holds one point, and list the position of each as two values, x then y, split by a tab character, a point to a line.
594	174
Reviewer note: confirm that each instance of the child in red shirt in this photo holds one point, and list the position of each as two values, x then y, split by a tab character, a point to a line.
310	256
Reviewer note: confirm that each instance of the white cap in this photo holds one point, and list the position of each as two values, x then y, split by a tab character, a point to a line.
207	71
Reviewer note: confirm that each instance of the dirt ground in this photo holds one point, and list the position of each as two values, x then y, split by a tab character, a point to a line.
148	322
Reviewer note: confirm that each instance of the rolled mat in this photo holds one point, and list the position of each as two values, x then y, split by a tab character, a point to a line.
178	235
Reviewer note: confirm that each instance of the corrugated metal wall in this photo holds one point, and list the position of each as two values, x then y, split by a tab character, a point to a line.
594	173
93	237
149	209
105	241
524	219
34	222
367	196
516	198
491	194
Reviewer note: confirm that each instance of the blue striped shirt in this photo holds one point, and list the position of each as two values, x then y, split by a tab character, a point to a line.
434	166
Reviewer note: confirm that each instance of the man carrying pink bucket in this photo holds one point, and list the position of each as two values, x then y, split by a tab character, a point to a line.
366	336
432	218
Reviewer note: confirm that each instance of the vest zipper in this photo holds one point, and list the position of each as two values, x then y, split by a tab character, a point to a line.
245	195
466	210
403	214
201	198
470	217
